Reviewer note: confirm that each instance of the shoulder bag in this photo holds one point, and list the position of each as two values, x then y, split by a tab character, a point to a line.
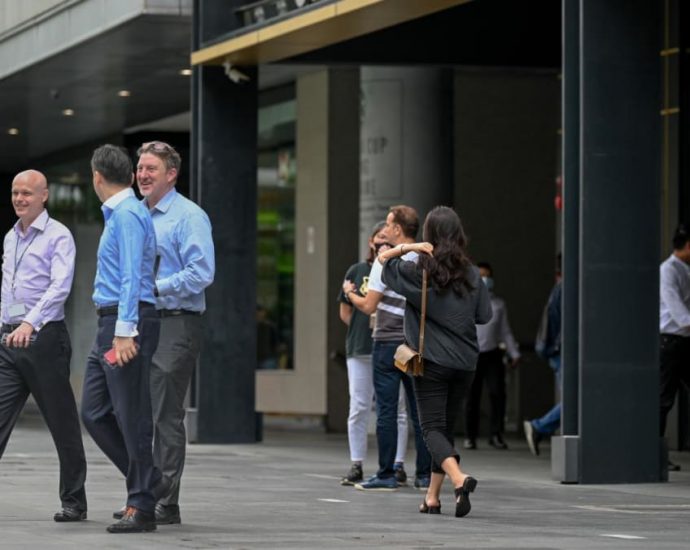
406	359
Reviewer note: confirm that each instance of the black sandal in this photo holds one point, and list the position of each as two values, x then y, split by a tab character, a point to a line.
462	497
424	508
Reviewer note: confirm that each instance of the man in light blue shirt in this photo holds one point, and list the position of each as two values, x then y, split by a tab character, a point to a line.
116	403
187	267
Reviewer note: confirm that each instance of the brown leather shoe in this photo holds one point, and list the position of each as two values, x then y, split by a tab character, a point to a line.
134	521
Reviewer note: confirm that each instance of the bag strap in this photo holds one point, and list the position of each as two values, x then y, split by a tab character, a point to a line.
422	319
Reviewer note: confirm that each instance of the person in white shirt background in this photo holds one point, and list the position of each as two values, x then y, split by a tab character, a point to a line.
674	324
491	368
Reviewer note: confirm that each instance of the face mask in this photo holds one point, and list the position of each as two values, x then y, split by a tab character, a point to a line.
489	282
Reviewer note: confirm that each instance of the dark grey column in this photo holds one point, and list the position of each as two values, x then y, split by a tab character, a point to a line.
224	183
619	241
343	217
564	448
679	30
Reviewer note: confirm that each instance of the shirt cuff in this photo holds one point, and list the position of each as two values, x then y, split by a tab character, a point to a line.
164	286
34	319
126	329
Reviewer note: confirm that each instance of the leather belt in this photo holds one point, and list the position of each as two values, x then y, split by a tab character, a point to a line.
112	310
176	312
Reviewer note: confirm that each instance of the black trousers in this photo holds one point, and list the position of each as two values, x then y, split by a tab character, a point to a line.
674	369
43	371
439	394
116	407
490	368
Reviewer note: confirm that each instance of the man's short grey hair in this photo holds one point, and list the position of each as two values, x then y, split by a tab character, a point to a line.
113	163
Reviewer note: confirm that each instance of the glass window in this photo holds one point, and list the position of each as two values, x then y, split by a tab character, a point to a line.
277	170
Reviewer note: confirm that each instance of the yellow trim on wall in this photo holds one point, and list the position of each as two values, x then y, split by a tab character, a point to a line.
317	28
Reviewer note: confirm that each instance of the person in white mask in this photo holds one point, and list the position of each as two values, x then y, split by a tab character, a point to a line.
492	338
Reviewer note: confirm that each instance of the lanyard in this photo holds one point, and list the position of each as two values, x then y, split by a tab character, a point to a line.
17	262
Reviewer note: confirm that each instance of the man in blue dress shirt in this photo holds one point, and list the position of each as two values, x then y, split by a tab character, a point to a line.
116	404
187	266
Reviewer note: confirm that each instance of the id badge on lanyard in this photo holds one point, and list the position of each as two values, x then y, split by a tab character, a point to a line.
18	309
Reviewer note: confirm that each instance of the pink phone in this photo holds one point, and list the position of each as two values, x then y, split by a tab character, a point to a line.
110	357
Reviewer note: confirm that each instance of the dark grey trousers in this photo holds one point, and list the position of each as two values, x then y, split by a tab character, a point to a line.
171	371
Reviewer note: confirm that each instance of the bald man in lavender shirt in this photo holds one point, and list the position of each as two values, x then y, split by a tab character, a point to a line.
37	271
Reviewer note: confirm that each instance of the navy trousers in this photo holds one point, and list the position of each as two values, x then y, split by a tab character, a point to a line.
116	407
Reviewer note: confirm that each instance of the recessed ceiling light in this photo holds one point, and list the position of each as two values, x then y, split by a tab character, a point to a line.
186	72
13	131
124	93
68	112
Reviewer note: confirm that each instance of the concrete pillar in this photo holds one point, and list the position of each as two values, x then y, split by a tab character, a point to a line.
618	70
405	142
224	184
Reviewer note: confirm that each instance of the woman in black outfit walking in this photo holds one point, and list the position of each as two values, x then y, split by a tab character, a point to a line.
457	300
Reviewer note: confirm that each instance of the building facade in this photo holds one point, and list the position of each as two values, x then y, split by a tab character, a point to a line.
301	121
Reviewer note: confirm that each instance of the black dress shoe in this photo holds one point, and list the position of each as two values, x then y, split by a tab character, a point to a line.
134	521
167	515
69	514
470	443
496	441
462	497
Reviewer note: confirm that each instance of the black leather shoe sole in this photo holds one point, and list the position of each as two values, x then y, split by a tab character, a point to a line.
67	515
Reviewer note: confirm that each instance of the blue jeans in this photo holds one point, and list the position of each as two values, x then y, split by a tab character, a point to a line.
386	388
551	421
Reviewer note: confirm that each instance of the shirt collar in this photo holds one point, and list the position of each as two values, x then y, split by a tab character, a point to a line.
163	205
117	198
39	223
680	262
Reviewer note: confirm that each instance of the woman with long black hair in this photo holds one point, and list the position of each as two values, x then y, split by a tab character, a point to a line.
457	300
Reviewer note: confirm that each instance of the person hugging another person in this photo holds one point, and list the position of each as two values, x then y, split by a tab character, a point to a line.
457	300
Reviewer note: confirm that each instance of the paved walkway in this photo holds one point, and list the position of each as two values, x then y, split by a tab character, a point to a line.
284	493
